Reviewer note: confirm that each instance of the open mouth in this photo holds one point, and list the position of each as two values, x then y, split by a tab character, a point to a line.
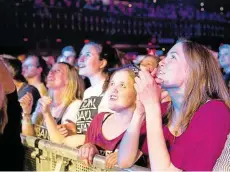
113	97
81	66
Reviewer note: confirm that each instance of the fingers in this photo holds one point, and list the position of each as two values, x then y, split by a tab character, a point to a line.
111	160
63	131
86	153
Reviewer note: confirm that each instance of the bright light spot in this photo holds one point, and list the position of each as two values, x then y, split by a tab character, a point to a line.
154	1
202	9
58	40
221	8
163	49
202	4
130	5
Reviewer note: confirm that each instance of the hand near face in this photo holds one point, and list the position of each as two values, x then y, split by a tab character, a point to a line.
87	153
26	103
111	160
148	87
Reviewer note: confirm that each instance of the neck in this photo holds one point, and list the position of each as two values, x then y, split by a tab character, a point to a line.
34	80
57	97
125	116
97	78
177	98
18	84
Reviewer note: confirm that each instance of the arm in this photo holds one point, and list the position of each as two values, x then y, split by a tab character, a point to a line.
6	79
158	153
26	103
128	150
149	93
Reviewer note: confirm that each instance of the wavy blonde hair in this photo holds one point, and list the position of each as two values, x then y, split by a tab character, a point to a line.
205	82
75	87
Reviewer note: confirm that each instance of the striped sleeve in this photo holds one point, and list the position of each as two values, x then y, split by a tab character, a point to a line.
223	162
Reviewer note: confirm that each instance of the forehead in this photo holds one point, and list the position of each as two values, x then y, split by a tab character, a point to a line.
89	48
61	67
177	48
122	76
31	60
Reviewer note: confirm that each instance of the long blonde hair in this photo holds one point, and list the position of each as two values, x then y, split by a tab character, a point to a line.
75	87
204	82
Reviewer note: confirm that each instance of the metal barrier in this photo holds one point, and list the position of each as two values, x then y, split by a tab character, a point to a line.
44	155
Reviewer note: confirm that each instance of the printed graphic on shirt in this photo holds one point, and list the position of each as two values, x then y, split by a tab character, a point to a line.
87	110
41	132
105	152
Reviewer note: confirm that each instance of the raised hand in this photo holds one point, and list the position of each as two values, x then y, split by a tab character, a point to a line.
26	103
45	103
148	87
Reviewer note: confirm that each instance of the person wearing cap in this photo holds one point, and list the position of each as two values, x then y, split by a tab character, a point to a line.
68	55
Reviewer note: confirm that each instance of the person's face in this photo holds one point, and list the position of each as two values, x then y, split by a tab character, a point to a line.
57	77
121	92
30	67
174	68
68	58
89	63
149	63
224	58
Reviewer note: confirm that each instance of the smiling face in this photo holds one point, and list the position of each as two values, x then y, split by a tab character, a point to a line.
122	94
174	68
89	62
57	77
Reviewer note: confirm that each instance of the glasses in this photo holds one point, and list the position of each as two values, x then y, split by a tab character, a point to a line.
29	66
131	66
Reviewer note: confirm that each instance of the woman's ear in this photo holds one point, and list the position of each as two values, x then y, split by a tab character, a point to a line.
103	63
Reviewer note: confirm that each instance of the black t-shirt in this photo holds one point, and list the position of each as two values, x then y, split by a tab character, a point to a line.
31	89
11	148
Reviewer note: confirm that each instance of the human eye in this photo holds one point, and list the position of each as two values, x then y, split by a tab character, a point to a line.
111	83
123	85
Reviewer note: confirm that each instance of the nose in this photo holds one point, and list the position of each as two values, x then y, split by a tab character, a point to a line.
81	59
162	63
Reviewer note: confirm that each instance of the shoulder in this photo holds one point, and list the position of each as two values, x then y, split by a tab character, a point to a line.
214	107
87	92
31	89
213	113
76	102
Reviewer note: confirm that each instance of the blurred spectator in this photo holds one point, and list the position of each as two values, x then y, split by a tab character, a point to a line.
149	62
224	60
35	70
68	55
14	66
58	112
12	151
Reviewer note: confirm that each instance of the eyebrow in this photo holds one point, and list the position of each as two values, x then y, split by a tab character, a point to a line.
173	52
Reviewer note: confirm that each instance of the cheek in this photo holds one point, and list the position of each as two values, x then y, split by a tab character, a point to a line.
128	98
